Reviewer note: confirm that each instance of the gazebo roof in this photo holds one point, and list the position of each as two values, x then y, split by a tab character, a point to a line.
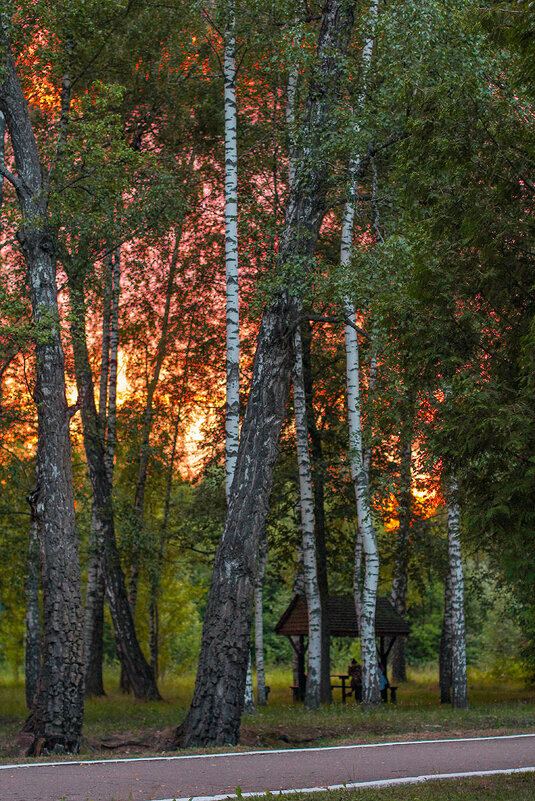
342	618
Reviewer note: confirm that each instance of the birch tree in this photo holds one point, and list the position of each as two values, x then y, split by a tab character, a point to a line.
57	712
310	569
445	651
317	621
215	712
366	594
232	407
459	687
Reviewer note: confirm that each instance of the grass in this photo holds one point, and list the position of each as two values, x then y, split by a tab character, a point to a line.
517	787
144	727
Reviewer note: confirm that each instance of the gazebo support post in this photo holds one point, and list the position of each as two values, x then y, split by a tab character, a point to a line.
301	668
300	651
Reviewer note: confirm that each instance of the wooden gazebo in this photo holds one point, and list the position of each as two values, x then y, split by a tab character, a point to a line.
342	619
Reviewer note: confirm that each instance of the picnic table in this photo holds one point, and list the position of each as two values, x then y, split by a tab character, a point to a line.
343	678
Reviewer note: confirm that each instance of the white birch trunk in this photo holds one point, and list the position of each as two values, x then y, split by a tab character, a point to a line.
248	696
313	687
232	419
366	594
298	588
259	623
459	688
366	545
111	434
290	121
444	660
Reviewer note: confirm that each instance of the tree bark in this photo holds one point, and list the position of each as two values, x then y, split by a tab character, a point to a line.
111	427
259	622
215	712
401	564
57	712
445	653
96	585
459	687
129	652
248	695
366	589
313	686
318	483
232	407
32	653
297	589
366	545
94	614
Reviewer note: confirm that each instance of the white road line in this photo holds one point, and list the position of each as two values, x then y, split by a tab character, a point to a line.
259	753
377	783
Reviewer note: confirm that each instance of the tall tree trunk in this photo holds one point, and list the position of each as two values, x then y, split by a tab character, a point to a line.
298	589
57	712
445	653
94	614
32	653
459	688
111	428
401	564
313	686
366	545
129	652
248	694
318	483
366	597
215	712
259	622
232	416
96	585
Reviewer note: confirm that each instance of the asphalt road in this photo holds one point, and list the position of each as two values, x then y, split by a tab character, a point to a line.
184	777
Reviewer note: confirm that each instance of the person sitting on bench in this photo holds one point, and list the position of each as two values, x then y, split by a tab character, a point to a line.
384	684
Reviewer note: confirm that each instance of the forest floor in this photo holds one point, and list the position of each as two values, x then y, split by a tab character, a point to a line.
118	726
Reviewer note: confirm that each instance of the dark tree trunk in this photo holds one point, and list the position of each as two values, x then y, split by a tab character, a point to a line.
401	565
129	652
32	653
217	705
57	712
215	712
96	585
446	645
94	615
318	481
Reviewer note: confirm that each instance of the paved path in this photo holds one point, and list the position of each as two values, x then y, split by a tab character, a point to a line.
184	777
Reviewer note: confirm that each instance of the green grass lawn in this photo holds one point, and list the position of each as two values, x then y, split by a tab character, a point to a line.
144	727
517	787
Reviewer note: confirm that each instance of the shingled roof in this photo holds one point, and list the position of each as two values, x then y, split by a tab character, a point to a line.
342	618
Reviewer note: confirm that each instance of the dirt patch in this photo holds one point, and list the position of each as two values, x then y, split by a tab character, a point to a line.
159	742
